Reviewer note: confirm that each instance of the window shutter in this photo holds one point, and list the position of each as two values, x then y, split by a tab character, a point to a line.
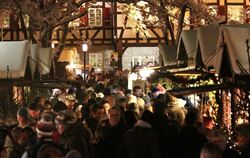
222	12
83	19
106	17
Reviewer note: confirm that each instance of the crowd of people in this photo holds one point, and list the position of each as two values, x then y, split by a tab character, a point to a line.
104	119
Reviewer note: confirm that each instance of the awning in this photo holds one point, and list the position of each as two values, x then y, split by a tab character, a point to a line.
33	58
207	46
44	60
13	55
169	54
187	47
235	38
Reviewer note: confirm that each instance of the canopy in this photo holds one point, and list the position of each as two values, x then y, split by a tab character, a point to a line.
44	60
235	38
33	58
13	55
187	47
207	45
169	54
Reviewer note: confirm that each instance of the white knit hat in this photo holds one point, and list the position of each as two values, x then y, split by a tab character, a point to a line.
45	125
100	95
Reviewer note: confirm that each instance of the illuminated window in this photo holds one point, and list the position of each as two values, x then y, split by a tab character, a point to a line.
235	13
143	60
96	61
95	16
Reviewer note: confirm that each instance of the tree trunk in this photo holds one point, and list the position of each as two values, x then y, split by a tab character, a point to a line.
181	22
46	35
23	26
167	25
170	28
60	46
31	32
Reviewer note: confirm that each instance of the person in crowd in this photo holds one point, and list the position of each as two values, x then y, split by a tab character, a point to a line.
147	103
155	92
109	133
137	91
70	102
140	141
47	106
210	150
92	75
49	109
60	106
109	97
217	137
167	130
190	140
208	125
40	102
34	111
91	123
78	113
45	142
121	102
15	143
23	118
106	106
72	134
243	139
55	96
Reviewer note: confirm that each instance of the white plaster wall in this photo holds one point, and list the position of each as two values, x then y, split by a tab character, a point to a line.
138	51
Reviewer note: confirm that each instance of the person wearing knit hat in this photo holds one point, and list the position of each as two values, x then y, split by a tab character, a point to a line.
100	95
45	144
72	133
64	119
23	117
45	126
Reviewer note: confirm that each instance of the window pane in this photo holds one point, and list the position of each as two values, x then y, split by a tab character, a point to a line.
235	13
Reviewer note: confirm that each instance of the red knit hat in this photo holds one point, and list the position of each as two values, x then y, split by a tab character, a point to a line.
45	125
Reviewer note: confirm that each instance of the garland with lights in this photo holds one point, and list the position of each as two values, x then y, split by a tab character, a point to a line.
183	81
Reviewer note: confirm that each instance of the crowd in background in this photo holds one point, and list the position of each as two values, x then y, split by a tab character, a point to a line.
104	119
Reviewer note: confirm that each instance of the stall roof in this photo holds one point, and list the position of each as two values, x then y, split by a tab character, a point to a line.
44	60
187	46
13	55
207	45
33	58
169	54
236	40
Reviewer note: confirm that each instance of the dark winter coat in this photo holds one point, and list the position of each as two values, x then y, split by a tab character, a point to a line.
110	138
12	149
189	143
140	142
74	138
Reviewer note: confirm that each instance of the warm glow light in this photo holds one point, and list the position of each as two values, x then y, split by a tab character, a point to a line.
144	73
85	47
70	66
52	45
